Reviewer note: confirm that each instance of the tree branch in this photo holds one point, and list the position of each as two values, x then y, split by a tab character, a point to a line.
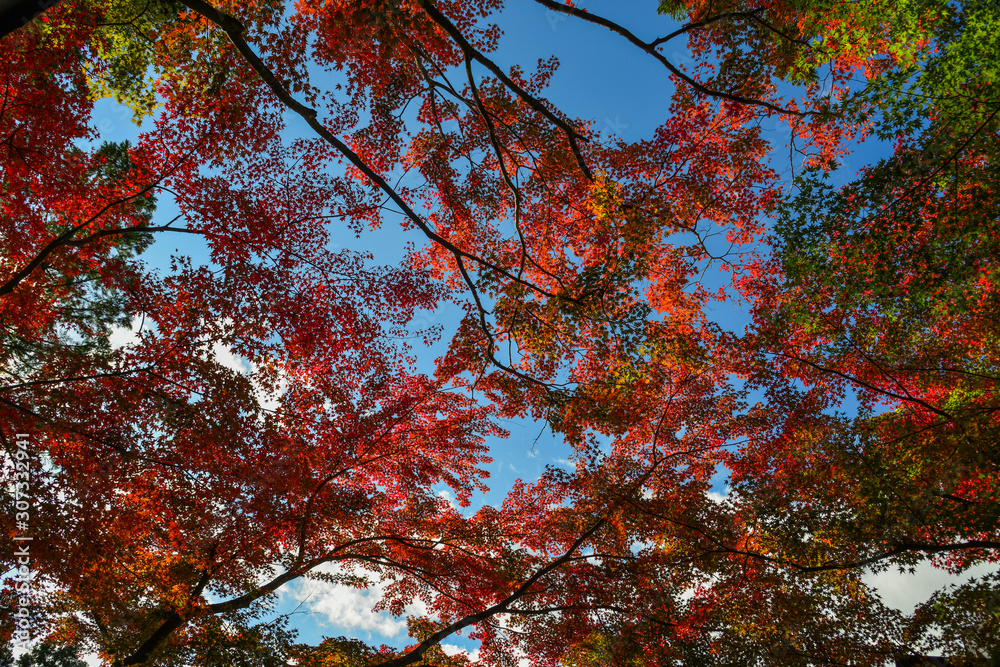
651	49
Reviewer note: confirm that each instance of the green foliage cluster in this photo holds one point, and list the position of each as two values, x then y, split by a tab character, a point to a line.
125	46
88	305
915	234
45	654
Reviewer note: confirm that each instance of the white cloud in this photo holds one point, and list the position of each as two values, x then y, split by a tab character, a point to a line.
121	337
229	359
350	609
451	649
447	495
904	591
717	497
268	400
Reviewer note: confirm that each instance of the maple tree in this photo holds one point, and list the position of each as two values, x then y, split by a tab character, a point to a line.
883	291
180	494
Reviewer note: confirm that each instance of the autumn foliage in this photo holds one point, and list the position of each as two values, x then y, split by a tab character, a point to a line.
268	421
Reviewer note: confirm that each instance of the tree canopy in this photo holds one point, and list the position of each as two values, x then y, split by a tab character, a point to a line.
169	496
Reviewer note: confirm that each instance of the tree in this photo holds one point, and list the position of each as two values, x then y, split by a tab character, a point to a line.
43	655
884	290
178	500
